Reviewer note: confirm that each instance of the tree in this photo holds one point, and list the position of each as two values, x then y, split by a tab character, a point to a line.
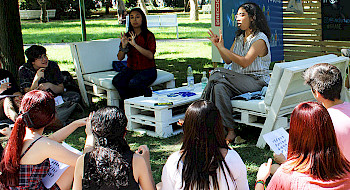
42	4
194	14
11	42
142	5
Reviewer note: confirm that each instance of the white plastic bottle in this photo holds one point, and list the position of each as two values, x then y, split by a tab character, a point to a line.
190	78
204	80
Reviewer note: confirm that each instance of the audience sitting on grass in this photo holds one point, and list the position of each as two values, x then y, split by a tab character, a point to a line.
315	160
205	161
25	159
326	83
8	86
111	164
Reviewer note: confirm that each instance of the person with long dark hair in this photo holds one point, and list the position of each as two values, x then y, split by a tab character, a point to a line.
139	44
25	160
111	164
314	160
205	161
246	63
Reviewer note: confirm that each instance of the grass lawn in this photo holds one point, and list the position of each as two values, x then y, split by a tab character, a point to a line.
70	30
172	56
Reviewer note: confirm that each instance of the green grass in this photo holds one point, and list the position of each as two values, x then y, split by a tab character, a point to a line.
54	31
172	56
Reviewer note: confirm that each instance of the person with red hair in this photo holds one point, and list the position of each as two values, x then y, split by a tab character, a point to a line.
25	160
314	160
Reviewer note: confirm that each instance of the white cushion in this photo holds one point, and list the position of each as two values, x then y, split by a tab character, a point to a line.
253	105
104	79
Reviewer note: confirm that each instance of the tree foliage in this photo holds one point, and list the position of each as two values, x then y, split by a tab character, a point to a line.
64	8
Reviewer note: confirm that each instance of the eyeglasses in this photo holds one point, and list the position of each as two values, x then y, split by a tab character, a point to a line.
42	57
240	15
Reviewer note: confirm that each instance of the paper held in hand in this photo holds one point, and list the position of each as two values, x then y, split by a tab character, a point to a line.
57	168
278	141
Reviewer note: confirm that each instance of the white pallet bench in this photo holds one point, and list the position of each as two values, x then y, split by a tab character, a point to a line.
159	21
35	14
286	89
159	121
93	66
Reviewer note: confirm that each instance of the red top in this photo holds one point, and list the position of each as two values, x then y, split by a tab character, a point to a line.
136	60
283	180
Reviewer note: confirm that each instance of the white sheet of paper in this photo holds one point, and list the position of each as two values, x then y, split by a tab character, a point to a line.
278	141
58	100
57	168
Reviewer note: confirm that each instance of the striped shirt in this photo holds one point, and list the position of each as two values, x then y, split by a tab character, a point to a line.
259	69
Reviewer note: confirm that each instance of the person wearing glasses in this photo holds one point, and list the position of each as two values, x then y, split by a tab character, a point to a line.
40	73
246	63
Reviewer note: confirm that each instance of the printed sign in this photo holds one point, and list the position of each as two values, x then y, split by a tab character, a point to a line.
335	20
278	141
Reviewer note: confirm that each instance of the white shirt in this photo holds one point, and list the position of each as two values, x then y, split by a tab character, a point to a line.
172	176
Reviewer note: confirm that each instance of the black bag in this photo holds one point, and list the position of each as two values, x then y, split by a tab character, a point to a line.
63	111
69	83
118	65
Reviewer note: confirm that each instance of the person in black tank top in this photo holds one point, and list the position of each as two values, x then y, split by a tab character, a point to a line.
110	163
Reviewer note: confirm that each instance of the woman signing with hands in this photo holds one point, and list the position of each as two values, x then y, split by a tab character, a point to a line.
139	44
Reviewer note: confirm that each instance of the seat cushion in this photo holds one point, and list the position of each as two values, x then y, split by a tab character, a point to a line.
105	78
252	105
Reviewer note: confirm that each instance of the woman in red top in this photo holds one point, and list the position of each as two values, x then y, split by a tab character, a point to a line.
140	46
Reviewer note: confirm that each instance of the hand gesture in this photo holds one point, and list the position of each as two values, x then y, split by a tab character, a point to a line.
144	152
132	38
81	122
45	86
124	39
88	129
5	86
215	39
39	73
264	171
279	158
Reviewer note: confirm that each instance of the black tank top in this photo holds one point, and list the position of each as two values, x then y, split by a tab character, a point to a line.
133	185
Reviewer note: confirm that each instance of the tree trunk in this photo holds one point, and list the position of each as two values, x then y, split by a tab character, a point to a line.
194	14
142	5
121	11
11	42
43	16
107	4
186	5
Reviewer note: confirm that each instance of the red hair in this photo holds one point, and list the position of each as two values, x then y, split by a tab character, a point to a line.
313	147
37	111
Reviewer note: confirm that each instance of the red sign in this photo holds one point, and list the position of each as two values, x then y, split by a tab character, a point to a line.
217	12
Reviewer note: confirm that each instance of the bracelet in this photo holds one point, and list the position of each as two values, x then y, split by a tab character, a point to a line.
125	50
262	182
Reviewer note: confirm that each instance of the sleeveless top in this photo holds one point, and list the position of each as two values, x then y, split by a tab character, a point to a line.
30	176
92	185
259	69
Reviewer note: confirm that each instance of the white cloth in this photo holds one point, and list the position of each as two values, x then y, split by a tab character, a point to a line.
172	176
260	66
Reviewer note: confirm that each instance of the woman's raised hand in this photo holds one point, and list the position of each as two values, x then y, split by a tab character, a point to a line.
39	73
124	39
217	40
144	152
264	171
132	38
88	129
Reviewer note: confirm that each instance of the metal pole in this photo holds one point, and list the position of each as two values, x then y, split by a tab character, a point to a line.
82	20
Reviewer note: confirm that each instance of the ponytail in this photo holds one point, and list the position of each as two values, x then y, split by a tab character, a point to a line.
10	162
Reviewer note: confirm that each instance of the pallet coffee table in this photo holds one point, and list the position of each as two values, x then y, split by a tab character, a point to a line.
159	121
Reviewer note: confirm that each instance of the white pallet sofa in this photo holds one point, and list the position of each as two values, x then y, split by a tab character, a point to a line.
35	14
286	89
93	66
159	21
